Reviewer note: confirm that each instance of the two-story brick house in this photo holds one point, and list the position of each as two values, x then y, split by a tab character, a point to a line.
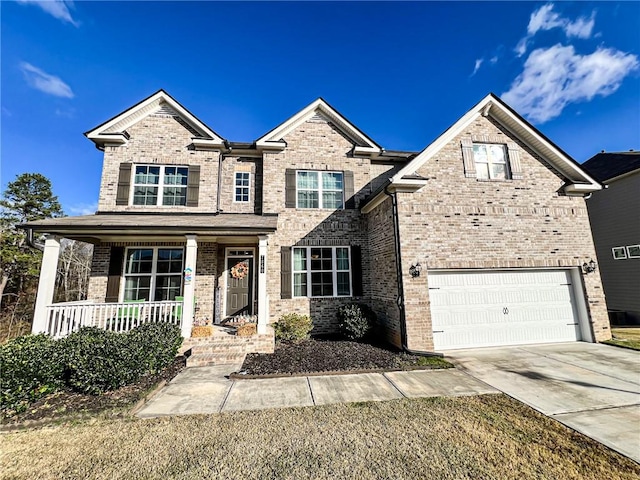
477	240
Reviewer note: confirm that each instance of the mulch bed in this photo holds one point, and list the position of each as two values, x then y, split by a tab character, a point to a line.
67	403
316	356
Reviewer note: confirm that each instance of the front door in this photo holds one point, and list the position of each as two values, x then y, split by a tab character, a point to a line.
239	283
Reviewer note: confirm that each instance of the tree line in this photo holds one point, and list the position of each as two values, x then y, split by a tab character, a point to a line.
30	197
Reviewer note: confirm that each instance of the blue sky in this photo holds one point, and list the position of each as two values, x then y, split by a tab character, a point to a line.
401	72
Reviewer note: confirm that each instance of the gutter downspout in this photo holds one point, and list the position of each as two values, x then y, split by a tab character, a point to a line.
220	159
400	297
31	241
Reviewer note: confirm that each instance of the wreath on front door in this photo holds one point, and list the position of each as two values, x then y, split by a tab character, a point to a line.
240	270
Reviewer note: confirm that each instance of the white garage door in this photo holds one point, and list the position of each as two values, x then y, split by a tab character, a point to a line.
481	309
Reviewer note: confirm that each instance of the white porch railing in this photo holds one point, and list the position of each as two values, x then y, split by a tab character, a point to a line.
64	318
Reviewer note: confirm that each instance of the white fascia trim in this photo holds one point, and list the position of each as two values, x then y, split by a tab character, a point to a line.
273	139
207	143
150	103
560	157
404	186
110	139
581	188
441	141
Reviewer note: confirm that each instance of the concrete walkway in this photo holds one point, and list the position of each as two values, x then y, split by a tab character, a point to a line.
207	390
592	388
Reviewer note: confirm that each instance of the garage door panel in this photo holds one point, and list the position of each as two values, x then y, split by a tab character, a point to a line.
501	308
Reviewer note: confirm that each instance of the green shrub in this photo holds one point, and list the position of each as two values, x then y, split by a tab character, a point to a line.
292	327
355	320
97	360
156	345
30	367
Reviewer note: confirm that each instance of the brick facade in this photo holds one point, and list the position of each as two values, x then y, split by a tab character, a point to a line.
454	222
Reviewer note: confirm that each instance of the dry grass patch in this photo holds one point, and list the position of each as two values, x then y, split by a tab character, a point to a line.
479	437
625	337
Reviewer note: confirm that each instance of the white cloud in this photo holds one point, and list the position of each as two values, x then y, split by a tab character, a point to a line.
556	76
83	209
477	66
41	80
57	8
545	18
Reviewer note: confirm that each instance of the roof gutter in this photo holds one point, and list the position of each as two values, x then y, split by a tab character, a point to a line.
399	278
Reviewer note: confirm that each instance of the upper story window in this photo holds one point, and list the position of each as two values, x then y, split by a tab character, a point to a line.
321	272
153	274
160	185
242	187
315	189
491	161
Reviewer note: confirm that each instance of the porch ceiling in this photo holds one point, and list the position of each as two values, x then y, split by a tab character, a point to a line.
109	226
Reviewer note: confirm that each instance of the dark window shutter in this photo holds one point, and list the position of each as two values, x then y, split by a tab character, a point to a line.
115	271
193	185
285	272
290	189
514	161
349	199
124	181
356	270
468	159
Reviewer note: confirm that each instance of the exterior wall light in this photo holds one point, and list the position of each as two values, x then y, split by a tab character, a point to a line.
415	270
589	267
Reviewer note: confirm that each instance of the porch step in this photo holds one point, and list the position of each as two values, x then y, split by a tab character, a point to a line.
210	359
223	347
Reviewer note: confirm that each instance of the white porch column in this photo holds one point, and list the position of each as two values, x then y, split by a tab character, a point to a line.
263	299
189	285
46	284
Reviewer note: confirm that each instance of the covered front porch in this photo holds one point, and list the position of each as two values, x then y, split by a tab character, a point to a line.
188	270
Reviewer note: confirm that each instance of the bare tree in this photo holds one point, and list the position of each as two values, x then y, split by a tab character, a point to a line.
74	268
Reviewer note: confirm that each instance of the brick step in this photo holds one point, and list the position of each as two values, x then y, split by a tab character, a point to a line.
211	359
219	348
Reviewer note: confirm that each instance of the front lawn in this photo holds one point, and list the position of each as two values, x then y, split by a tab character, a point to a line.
327	355
625	337
480	437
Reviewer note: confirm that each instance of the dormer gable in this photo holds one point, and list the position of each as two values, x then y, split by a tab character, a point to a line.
578	181
363	145
113	132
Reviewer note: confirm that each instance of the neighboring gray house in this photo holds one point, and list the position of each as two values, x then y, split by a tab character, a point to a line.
615	224
477	240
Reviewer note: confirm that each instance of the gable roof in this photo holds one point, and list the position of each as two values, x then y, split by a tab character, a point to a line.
578	180
607	165
113	131
274	138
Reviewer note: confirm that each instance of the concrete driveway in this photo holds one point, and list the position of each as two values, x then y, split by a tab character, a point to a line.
592	388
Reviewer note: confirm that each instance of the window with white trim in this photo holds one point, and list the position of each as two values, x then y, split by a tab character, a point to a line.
242	186
633	251
153	273
619	253
321	272
315	189
160	185
491	161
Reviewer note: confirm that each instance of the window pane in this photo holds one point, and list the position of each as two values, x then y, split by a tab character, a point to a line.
332	181
169	260
176	175
147	175
497	153
343	283
139	261
482	171
321	259
137	288
307	180
167	287
480	153
145	195
331	199
321	284
307	199
174	196
342	258
498	170
299	259
299	284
